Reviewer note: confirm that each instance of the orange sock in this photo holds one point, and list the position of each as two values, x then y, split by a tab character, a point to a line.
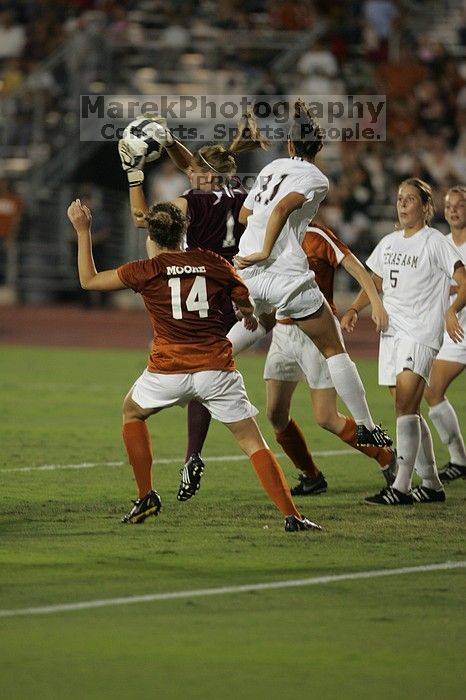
270	474
381	454
293	443
138	446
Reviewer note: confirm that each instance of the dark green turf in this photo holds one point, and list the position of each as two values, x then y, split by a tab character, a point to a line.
61	541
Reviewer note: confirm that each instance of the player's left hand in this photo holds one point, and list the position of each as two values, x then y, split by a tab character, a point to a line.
253	259
452	326
80	216
349	320
132	154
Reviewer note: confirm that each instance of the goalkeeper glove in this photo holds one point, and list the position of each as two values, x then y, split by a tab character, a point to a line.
132	161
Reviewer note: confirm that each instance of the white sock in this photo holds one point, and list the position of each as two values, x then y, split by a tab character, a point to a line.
241	338
444	418
350	389
408	440
425	463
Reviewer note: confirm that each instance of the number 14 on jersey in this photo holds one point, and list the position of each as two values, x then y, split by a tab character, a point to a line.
195	301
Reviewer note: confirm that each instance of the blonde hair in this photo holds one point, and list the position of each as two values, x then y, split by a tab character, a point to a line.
461	189
220	160
425	193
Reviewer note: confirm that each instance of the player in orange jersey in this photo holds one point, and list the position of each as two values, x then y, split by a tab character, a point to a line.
212	207
293	357
184	293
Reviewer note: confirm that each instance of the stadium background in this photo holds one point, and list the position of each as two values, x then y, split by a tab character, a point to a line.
52	51
65	481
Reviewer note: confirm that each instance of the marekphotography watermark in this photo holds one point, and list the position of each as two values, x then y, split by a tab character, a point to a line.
214	118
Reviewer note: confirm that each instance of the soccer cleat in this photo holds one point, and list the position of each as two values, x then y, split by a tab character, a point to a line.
190	477
422	494
294	524
310	485
143	508
389	472
372	438
391	497
451	471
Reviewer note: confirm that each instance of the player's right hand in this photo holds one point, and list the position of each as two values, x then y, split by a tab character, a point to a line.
80	216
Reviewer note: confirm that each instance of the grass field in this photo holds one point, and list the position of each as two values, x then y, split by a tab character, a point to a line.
64	484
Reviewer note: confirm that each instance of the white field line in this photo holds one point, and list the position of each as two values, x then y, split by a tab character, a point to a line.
225	590
177	460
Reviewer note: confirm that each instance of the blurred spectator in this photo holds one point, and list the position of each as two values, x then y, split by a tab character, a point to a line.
438	161
11	76
11	212
292	15
459	159
399	78
318	69
380	17
12	36
166	183
462	28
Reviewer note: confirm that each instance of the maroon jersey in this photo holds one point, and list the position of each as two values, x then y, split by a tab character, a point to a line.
213	219
185	293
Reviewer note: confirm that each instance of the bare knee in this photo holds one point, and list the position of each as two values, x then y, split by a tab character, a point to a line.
131	410
278	417
433	395
406	406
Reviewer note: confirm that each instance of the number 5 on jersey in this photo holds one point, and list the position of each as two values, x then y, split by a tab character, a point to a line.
195	301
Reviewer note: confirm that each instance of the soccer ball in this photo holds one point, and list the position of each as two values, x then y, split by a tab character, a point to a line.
146	136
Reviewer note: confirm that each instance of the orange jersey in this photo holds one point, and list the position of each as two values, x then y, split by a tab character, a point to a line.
324	253
184	293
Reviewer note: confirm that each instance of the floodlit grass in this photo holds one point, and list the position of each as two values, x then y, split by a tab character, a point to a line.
62	542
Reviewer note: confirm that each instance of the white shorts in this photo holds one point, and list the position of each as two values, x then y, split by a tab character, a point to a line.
453	352
293	357
292	297
222	393
397	353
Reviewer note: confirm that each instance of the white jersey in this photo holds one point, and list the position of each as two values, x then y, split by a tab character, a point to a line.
279	178
451	351
416	274
462	251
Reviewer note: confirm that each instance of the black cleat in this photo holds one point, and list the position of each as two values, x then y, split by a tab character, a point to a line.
190	477
422	494
451	472
372	438
391	497
143	508
389	472
294	524
310	485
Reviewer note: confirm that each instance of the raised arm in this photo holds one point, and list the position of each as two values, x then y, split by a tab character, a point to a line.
108	280
361	275
179	154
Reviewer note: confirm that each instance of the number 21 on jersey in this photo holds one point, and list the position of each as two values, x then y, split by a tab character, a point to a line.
195	301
